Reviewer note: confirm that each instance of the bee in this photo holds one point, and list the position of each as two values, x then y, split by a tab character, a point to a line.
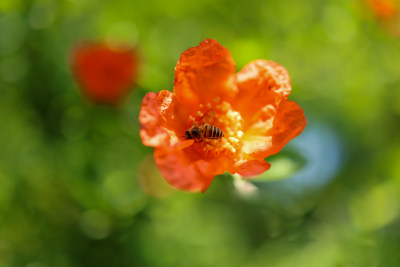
200	131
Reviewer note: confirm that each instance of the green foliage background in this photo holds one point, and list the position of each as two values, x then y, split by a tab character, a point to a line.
77	188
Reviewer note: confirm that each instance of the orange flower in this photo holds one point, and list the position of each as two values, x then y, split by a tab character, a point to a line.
105	74
387	13
249	107
383	8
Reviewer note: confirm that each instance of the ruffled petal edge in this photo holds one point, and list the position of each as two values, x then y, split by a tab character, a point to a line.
156	119
203	73
289	122
183	173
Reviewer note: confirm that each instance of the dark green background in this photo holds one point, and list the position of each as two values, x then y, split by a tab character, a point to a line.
77	188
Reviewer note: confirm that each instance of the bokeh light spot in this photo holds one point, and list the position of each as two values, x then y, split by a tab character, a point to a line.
151	180
339	24
95	224
124	32
73	124
13	68
41	16
120	190
376	207
13	33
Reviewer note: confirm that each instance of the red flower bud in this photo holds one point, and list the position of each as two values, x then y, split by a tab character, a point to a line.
105	74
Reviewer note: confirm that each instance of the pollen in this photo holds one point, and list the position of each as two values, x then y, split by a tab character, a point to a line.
229	121
191	119
233	140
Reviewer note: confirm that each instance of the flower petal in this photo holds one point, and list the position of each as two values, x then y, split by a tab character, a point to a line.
262	86
204	73
181	171
288	122
252	167
158	121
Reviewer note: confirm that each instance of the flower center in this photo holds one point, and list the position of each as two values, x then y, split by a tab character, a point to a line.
223	117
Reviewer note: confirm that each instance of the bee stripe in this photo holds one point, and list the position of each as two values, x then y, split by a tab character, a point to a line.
219	133
214	132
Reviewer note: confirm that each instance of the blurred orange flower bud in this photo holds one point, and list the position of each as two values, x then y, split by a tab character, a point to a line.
105	74
250	116
387	13
383	8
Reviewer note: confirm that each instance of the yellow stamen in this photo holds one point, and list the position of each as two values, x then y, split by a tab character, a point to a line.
226	119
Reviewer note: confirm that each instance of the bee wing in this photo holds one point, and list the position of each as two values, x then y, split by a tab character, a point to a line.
202	117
